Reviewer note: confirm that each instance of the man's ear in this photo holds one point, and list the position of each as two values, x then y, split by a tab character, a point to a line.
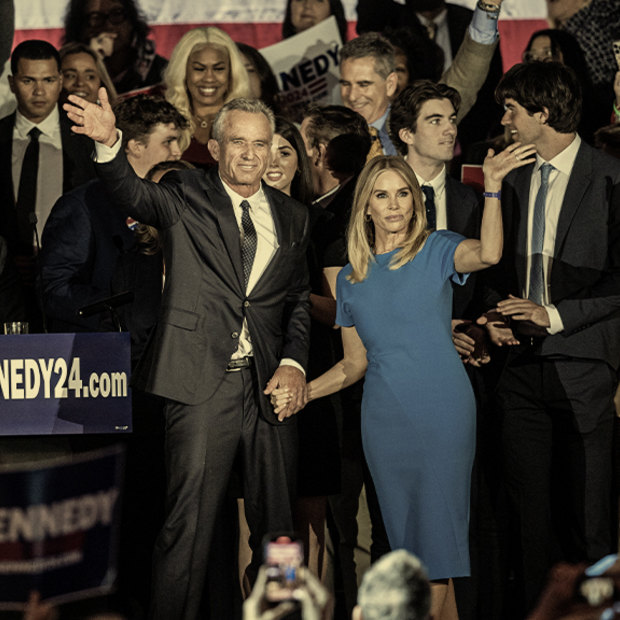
320	156
406	135
214	149
134	148
356	614
391	83
543	116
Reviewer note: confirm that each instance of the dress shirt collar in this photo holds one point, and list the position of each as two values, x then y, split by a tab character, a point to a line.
438	183
237	199
49	127
563	161
439	19
380	122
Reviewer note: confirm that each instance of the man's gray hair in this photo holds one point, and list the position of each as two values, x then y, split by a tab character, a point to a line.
255	106
395	587
374	45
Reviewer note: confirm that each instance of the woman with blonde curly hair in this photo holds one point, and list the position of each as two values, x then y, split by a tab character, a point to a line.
205	71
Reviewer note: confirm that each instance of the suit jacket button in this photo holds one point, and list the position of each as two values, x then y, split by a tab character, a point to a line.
234	335
246	304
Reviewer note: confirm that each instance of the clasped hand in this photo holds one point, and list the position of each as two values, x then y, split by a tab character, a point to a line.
287	391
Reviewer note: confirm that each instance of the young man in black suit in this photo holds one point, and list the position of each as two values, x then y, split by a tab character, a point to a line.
422	124
234	325
559	284
40	158
84	235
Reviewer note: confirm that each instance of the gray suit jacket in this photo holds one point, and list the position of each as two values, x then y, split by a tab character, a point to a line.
204	300
584	282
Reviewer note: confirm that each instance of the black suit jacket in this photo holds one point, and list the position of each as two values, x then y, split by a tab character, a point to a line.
204	301
78	168
83	239
584	283
463	217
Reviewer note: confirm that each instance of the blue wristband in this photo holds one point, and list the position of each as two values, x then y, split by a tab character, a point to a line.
497	195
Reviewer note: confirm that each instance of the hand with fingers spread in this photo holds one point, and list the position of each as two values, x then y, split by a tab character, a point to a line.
498	329
291	378
497	166
95	121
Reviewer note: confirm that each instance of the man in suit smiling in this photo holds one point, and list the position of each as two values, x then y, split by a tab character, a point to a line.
234	320
559	284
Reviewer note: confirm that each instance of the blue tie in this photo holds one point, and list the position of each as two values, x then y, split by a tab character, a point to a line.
429	203
537	279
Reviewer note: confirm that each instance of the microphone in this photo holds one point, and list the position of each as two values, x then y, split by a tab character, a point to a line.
34	220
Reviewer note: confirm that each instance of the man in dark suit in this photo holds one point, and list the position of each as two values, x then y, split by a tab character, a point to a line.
234	320
61	161
559	284
84	235
422	124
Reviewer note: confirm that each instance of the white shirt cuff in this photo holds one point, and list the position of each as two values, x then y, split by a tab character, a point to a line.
555	320
287	361
483	29
104	154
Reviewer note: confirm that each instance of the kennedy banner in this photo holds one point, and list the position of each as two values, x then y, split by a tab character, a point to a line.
306	67
59	528
65	383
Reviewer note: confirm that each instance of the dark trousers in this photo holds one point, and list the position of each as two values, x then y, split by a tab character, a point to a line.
557	435
202	443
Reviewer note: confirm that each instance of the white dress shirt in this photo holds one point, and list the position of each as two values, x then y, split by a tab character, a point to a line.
50	173
439	187
558	181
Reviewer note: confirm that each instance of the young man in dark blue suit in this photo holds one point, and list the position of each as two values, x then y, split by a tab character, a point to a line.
559	285
85	235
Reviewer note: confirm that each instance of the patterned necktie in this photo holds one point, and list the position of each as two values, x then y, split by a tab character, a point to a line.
537	278
27	192
249	241
376	148
431	29
429	202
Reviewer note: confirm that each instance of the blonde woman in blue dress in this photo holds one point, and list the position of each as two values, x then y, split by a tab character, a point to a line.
418	410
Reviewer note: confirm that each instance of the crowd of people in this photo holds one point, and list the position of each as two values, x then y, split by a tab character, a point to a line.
323	311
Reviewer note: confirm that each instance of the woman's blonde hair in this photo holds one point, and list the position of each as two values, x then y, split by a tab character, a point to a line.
361	232
175	73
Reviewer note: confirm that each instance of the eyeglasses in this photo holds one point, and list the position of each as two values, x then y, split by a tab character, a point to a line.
97	19
545	55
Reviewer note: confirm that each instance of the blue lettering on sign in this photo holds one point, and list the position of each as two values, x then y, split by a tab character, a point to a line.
308	70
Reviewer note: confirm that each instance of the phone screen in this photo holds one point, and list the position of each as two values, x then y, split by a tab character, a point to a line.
283	557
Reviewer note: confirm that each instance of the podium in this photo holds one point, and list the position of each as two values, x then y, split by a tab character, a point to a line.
65	383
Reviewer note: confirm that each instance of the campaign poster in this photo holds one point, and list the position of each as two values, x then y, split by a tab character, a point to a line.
65	383
59	527
307	67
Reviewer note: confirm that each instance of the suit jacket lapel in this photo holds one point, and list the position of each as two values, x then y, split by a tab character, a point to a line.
281	214
6	154
523	177
456	218
227	221
578	183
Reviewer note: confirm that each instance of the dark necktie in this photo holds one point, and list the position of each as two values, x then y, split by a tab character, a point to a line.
537	278
248	244
429	202
27	192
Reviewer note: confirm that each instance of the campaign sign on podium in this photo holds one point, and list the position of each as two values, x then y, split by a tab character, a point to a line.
65	383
